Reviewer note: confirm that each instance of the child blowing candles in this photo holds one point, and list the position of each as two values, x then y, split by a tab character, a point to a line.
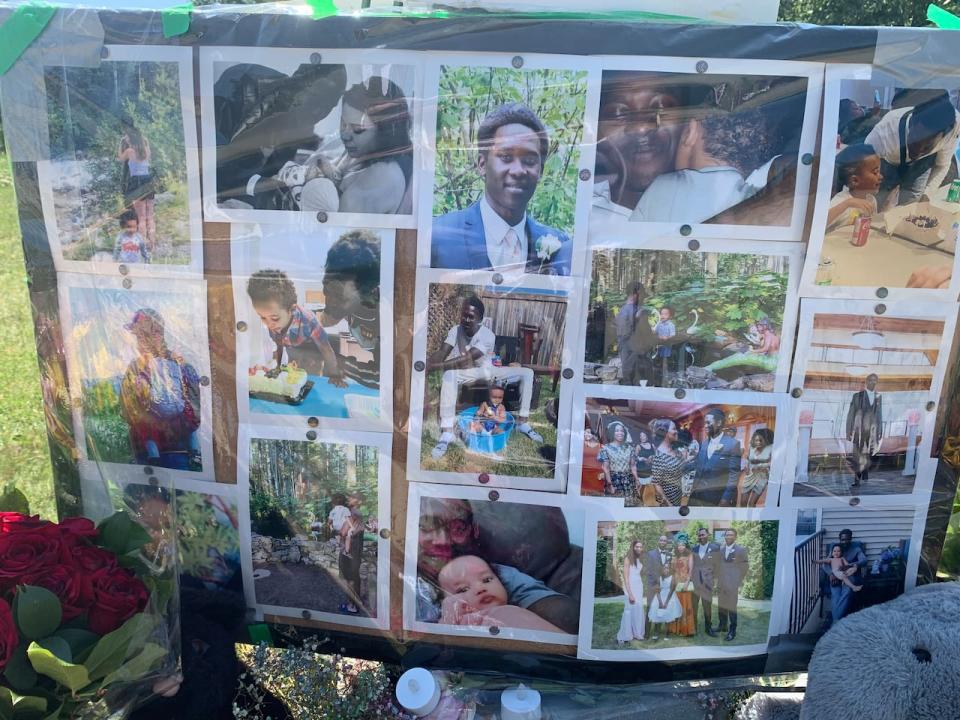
296	330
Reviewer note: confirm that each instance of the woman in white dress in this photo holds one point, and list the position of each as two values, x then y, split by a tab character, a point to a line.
664	605
633	620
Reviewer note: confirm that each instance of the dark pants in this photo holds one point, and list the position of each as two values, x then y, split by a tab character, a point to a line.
911	178
727	609
349	567
703	596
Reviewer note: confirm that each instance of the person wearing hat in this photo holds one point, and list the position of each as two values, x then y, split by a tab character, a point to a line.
160	398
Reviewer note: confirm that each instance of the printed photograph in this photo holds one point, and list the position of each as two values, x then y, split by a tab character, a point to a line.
505	187
299	133
117	186
847	558
206	527
492	390
894	208
311	346
683	583
697	148
667	454
138	357
511	565
685	319
866	385
314	525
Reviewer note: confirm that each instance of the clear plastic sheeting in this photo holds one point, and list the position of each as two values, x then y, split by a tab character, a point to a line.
481	355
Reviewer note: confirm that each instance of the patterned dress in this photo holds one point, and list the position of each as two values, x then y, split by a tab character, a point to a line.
667	472
618	458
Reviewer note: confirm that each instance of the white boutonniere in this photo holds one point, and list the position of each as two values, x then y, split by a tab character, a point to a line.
547	246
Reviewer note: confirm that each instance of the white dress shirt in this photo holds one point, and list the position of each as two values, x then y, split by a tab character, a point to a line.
702	550
503	254
871	395
885	138
715	445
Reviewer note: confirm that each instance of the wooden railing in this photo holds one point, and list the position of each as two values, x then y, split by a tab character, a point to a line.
806	583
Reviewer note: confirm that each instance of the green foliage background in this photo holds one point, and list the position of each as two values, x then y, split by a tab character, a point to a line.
279	509
866	12
467	94
759	538
728	290
198	531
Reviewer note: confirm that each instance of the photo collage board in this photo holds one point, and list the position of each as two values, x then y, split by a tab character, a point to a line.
651	409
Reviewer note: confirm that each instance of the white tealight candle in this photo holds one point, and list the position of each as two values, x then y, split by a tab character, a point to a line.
520	703
418	691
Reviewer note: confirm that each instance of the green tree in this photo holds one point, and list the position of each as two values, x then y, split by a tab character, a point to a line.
868	12
467	94
760	540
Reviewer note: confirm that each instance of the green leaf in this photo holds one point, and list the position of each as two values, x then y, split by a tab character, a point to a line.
19	672
79	640
113	648
137	666
67	674
6	703
29	704
12	500
121	535
37	611
57	646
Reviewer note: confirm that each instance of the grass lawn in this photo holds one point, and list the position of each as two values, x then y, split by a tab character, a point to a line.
521	458
752	628
24	454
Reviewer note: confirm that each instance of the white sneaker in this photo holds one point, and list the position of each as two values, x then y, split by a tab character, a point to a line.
527	430
440	449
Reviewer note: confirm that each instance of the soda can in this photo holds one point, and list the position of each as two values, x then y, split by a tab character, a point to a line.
953	194
861	231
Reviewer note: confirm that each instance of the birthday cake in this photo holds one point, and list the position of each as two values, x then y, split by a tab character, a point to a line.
288	383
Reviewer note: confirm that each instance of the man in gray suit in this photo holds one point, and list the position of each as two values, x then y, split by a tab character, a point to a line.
732	568
706	554
865	428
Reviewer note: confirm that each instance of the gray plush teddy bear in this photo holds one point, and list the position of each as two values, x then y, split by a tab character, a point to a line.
895	661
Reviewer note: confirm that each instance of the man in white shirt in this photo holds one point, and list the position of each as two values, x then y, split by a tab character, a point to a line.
731	572
717	465
916	146
466	354
706	555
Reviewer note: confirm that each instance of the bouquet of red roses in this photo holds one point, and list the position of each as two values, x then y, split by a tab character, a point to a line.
80	615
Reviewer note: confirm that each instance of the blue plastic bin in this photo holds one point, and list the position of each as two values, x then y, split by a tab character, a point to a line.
482	442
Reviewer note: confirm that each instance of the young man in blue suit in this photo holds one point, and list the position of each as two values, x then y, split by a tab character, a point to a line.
717	465
496	232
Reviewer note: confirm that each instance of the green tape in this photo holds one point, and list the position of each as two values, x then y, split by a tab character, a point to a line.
322	8
260	633
176	19
20	30
942	18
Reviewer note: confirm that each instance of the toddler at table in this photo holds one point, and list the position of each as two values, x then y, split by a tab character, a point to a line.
856	181
295	330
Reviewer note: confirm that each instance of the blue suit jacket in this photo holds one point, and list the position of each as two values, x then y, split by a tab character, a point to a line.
459	243
716	477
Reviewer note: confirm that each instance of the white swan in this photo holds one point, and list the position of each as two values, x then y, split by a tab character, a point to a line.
696	319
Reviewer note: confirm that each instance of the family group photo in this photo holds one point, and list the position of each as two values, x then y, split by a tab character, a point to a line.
117	187
314	525
669	454
890	201
847	558
481	563
312	337
302	133
866	384
686	319
696	148
683	583
508	145
492	389
138	362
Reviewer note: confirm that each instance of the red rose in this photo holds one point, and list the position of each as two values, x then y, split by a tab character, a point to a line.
71	586
78	527
11	522
28	551
9	638
118	595
89	558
